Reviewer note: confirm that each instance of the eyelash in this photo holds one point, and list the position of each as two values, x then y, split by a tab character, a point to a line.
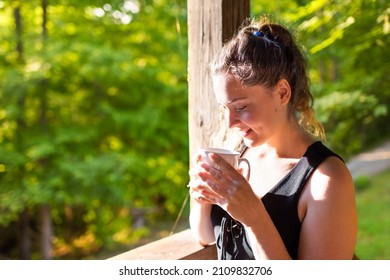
240	109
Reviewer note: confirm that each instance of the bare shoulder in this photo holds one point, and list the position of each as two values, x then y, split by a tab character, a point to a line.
331	176
329	213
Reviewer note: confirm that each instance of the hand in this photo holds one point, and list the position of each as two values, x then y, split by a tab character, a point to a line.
227	187
200	191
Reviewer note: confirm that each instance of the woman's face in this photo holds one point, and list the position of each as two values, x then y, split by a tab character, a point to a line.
255	112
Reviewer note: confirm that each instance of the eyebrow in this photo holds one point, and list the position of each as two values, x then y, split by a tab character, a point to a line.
235	100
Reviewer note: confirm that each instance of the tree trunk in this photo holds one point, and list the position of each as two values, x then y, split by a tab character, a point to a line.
46	222
24	231
46	232
18	32
24	236
44	5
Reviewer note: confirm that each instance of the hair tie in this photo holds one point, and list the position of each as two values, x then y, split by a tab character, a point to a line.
259	34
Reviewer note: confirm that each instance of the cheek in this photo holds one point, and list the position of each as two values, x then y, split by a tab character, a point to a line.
254	118
247	117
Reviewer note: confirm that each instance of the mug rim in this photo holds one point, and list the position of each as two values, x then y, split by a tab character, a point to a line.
220	151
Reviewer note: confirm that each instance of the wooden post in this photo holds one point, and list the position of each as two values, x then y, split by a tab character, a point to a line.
210	24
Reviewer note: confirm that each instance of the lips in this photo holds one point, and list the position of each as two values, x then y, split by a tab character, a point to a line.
245	132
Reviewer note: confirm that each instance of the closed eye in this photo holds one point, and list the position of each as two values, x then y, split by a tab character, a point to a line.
240	109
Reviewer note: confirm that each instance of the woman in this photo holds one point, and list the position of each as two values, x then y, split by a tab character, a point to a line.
299	200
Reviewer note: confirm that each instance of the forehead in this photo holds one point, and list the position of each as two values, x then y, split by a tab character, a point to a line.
227	88
226	81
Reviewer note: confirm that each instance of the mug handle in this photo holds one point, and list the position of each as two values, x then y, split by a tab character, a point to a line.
240	160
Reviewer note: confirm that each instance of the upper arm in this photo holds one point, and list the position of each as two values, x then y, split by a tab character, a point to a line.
329	227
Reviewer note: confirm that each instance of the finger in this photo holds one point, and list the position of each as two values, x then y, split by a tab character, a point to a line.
218	181
235	174
193	172
215	186
201	187
204	196
214	172
211	188
221	163
221	183
197	158
217	175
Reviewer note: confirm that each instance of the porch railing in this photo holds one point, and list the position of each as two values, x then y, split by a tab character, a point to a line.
179	246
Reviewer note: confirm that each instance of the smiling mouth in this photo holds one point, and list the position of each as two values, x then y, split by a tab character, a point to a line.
245	132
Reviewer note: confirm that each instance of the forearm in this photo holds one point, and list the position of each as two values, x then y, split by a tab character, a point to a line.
200	222
265	239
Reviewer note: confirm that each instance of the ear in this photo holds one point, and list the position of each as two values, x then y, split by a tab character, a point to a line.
283	91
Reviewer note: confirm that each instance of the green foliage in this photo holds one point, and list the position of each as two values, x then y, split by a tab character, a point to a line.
374	223
362	183
93	113
341	111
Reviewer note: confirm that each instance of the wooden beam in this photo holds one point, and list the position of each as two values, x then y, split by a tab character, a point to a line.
210	24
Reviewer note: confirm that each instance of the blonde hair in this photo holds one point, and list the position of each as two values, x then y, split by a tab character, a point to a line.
263	53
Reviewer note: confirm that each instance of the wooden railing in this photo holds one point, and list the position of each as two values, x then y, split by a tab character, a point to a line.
179	246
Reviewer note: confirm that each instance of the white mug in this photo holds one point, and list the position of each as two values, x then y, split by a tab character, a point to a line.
230	156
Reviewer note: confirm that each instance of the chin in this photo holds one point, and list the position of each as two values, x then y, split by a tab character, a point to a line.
251	143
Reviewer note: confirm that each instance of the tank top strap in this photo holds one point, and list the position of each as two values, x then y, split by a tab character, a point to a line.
293	183
313	157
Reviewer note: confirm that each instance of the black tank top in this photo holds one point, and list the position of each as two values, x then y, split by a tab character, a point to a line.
281	203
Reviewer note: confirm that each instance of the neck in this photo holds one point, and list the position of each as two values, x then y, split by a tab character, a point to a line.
291	143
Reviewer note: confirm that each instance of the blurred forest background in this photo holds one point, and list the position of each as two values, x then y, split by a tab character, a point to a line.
93	112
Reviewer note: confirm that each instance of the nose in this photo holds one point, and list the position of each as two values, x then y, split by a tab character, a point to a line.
231	118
